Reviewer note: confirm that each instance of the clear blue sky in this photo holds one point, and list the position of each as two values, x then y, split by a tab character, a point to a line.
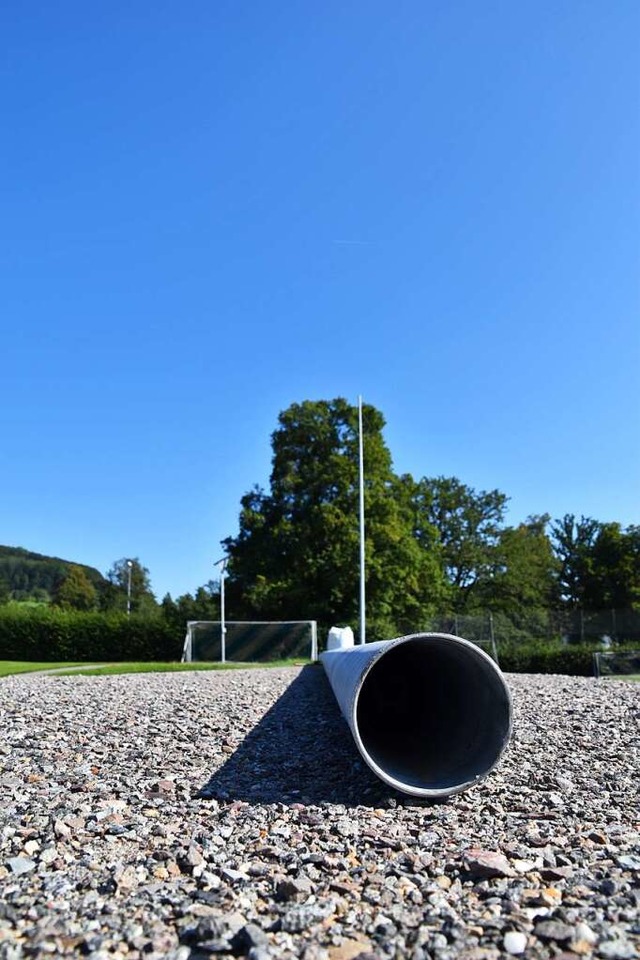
214	209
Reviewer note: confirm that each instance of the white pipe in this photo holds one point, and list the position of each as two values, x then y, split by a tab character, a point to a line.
430	713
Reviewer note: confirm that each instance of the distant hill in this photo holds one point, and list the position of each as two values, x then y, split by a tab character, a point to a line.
33	576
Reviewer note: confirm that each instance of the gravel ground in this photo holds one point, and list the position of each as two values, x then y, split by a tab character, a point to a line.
201	814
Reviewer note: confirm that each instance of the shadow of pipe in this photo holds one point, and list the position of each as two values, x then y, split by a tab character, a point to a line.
301	751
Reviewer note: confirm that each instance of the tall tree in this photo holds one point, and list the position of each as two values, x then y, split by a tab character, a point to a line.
614	573
573	542
525	572
125	572
296	555
468	525
75	591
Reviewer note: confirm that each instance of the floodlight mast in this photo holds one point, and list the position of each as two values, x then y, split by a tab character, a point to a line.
130	568
363	622
222	563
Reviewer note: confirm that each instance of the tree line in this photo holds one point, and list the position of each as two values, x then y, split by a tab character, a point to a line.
434	545
28	577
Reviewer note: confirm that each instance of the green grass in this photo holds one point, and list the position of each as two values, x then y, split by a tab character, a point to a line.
8	667
160	667
621	676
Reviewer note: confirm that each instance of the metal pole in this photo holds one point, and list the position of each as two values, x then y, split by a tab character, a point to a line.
363	626
223	626
129	565
492	635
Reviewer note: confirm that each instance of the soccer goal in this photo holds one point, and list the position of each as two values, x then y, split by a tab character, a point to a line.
624	664
250	641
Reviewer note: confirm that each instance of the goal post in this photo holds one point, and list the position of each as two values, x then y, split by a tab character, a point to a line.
250	641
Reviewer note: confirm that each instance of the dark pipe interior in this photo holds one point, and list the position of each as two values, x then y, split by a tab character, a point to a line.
433	714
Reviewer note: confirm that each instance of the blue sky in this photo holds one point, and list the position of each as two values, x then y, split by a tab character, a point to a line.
214	209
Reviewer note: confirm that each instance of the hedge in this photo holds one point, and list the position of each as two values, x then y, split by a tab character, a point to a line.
49	634
574	660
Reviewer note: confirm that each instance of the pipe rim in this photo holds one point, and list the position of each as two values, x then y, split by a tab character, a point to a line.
433	793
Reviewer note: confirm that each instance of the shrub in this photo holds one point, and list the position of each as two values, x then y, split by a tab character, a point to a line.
571	660
50	634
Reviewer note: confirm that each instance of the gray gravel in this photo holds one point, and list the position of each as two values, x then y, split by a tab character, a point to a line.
198	815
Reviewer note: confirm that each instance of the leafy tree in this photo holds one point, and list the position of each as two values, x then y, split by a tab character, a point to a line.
169	609
205	605
525	569
75	591
614	569
297	552
573	542
117	593
40	595
468	525
599	580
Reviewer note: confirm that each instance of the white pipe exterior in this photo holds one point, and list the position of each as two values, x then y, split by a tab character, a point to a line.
430	713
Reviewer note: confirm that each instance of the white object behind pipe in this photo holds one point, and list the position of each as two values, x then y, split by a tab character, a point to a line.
340	638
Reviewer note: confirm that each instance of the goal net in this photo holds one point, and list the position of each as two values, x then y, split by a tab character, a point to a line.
623	663
250	641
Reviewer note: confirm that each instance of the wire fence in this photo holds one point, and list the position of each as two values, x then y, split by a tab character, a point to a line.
495	629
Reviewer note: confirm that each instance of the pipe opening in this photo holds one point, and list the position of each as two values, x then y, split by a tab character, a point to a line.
433	715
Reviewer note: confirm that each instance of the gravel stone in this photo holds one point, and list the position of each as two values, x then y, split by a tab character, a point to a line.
617	950
251	935
19	865
194	815
515	942
293	889
487	863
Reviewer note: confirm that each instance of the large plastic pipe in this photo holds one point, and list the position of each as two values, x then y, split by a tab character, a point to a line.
430	713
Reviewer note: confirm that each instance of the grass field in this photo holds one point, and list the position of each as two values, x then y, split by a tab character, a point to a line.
9	667
621	676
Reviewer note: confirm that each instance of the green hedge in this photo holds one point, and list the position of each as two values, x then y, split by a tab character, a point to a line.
570	660
50	634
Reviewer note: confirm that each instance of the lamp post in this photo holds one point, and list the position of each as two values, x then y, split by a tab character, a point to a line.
222	563
363	615
130	568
